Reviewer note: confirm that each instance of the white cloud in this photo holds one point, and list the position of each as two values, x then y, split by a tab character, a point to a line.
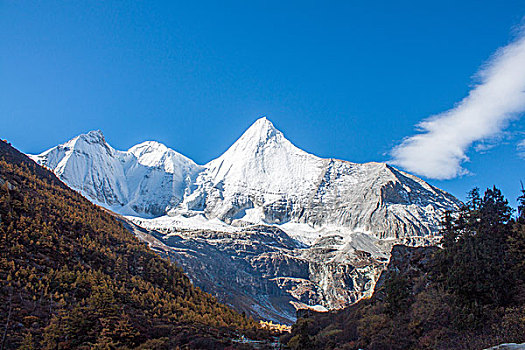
440	148
521	148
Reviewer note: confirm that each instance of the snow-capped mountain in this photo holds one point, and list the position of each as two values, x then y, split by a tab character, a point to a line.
261	179
266	227
147	180
264	179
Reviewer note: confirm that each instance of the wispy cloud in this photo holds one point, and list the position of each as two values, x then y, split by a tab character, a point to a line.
521	148
439	150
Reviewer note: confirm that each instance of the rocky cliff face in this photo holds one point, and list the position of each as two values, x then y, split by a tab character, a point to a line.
262	271
411	262
266	226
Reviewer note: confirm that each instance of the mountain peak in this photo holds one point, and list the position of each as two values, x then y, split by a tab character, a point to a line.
148	147
93	136
263	122
260	143
89	143
264	155
259	134
262	125
156	154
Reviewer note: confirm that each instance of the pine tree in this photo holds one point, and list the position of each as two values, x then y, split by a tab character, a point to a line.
397	293
521	204
474	261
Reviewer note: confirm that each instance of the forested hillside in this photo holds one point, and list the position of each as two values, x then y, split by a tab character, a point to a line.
73	277
469	294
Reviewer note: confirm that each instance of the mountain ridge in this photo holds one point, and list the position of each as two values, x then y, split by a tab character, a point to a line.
121	180
262	178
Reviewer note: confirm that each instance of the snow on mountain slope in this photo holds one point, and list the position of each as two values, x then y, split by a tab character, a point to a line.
158	177
88	164
264	159
146	180
261	167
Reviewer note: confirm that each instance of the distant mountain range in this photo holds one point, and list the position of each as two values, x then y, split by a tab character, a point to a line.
334	213
261	179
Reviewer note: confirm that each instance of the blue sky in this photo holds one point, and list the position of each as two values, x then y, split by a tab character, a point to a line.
349	80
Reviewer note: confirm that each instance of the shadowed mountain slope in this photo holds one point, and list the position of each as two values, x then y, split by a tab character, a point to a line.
73	277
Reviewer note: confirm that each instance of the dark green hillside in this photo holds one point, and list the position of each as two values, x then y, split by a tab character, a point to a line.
469	294
73	277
